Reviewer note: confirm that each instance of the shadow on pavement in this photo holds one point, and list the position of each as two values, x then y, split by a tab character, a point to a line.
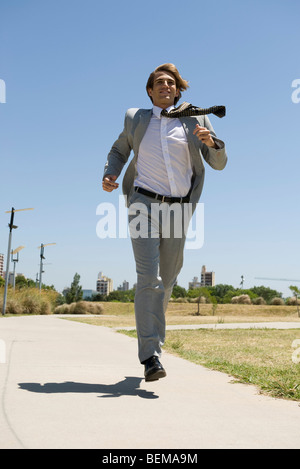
128	387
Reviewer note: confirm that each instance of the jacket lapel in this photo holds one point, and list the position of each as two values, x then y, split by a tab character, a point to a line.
141	124
189	124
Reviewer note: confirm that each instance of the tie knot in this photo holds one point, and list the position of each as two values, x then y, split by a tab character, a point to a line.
164	113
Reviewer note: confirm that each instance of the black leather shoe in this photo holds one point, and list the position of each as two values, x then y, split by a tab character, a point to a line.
153	369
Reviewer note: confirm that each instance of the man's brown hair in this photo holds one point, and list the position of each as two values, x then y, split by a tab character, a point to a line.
181	84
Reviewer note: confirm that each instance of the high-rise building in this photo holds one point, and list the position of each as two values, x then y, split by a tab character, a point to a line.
104	284
207	278
1	265
124	286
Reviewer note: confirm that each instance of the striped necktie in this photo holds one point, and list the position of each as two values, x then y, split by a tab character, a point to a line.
187	110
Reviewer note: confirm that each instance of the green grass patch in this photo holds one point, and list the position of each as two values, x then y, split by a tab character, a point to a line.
261	357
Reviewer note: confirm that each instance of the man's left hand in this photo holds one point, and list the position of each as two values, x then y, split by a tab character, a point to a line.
204	135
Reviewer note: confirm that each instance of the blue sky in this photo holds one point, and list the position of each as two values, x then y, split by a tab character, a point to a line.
73	67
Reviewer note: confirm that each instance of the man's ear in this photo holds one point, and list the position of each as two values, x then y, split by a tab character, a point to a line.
149	90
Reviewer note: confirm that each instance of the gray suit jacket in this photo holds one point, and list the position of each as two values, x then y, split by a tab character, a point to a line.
135	126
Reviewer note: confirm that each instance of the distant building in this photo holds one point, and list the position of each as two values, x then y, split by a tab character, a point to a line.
207	280
194	284
88	293
2	265
11	277
104	284
124	287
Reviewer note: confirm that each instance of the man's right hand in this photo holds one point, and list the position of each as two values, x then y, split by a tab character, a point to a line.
109	184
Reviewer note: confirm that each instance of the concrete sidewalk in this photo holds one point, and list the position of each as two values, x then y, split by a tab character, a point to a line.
71	385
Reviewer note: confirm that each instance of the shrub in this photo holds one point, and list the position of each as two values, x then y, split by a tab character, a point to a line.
80	307
259	301
293	301
201	300
62	309
13	306
98	308
29	301
45	307
30	305
181	300
241	299
277	301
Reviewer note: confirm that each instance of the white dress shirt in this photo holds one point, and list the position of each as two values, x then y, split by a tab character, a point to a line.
163	163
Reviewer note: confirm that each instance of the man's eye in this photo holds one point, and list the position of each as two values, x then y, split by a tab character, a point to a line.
170	83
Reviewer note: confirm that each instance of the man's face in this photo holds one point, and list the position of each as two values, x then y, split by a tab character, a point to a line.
164	90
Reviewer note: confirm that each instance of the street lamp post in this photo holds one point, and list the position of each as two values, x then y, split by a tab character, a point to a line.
15	260
11	227
41	247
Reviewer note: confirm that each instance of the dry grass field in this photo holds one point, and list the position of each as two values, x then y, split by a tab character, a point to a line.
122	314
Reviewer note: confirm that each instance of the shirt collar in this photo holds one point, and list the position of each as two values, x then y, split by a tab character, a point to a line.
157	110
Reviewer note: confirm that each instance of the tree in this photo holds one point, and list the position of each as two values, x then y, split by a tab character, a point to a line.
266	293
221	292
23	282
60	299
178	292
74	293
295	290
201	291
122	296
97	297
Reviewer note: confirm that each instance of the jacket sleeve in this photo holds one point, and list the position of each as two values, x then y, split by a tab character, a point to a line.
215	157
119	152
